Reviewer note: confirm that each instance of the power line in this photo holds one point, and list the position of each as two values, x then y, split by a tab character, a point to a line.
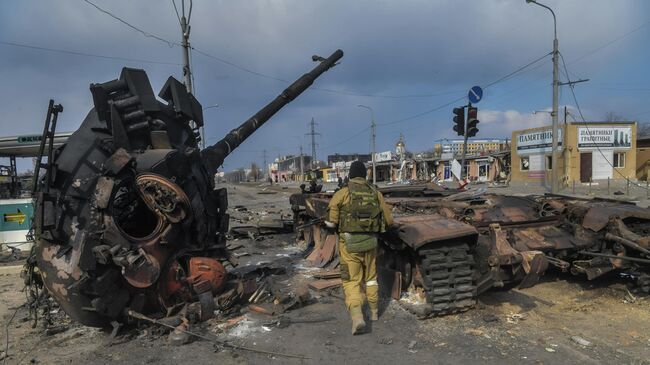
501	79
346	140
76	53
260	74
244	69
144	33
422	113
609	43
248	70
333	91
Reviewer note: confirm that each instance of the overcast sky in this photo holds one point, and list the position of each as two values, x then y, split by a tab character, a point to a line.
402	58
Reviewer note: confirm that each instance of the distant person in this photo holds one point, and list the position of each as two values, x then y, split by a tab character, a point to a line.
360	214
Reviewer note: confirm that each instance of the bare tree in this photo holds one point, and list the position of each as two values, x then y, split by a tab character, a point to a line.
614	117
643	129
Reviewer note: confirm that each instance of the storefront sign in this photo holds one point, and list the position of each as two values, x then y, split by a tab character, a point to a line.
604	137
537	142
29	139
383	156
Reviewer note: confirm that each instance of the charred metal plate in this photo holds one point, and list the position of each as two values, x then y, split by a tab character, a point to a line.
317	207
103	190
118	161
417	231
598	217
533	239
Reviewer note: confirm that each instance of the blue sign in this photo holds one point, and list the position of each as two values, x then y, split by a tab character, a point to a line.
475	94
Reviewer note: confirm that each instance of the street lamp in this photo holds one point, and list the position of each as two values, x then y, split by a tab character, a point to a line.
372	131
554	134
211	106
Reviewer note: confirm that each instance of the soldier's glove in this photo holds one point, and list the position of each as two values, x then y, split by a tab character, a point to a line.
330	225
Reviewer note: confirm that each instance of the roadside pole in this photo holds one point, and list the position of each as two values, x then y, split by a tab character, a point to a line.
462	161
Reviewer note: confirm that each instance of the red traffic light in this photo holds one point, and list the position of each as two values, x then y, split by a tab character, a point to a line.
472	121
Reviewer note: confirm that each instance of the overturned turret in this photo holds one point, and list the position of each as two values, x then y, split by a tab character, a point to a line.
128	215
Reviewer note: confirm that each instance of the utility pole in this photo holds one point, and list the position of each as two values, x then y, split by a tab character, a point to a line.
555	183
373	132
266	167
313	135
302	167
187	72
185	43
554	134
462	160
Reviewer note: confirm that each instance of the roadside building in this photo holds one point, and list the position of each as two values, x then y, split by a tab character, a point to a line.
642	158
588	151
349	157
479	168
290	168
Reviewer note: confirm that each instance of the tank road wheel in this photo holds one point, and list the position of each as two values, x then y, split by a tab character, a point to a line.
448	278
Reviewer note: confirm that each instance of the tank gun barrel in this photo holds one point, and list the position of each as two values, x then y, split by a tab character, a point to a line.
213	156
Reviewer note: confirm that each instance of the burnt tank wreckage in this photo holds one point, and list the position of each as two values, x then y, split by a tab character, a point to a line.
127	213
456	244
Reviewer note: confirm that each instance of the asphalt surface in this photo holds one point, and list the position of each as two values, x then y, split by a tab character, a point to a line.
562	320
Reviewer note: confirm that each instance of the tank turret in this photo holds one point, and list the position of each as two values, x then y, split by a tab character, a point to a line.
129	208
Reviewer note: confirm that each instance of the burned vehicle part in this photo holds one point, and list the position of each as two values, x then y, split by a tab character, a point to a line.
127	214
458	244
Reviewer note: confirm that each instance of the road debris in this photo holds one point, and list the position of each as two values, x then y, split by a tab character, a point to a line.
514	318
213	340
321	285
580	341
284	322
411	346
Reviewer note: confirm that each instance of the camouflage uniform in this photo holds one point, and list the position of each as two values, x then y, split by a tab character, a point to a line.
360	213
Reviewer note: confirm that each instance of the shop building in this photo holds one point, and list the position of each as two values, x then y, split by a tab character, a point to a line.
591	151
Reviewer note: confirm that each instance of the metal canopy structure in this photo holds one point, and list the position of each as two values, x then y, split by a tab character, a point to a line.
28	145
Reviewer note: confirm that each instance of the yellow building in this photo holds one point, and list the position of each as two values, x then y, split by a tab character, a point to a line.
643	158
589	151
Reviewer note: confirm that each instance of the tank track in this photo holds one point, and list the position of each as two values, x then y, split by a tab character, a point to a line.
448	278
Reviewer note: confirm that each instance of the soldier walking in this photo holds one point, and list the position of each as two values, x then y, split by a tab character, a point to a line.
359	213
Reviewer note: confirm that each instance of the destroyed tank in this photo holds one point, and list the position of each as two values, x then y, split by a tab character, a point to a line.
127	214
453	244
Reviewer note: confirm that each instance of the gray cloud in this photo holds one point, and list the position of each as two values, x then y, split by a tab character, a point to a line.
392	48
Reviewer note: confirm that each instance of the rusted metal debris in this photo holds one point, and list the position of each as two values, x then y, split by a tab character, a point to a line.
127	216
457	244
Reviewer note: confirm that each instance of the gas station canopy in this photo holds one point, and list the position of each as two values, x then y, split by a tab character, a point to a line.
28	145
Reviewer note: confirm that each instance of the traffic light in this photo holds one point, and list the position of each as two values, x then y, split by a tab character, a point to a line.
472	121
459	121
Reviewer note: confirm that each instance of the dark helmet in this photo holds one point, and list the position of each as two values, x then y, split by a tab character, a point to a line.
357	169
